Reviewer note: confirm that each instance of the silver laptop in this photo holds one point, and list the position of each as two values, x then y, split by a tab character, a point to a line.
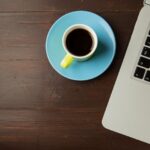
128	110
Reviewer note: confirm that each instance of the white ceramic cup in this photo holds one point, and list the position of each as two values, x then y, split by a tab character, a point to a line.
69	56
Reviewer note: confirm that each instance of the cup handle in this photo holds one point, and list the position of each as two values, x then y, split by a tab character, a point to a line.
67	61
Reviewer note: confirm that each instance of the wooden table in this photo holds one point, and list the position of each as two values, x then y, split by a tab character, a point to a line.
39	109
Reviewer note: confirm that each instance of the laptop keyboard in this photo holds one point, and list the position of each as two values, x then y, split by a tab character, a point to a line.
142	70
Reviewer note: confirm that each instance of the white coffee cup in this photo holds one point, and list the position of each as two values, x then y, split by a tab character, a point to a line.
68	59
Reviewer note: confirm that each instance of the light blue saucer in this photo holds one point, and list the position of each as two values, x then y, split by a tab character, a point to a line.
98	63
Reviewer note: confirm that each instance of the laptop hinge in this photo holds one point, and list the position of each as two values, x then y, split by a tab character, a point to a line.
146	2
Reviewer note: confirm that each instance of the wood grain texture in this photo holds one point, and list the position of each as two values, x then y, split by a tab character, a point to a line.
39	109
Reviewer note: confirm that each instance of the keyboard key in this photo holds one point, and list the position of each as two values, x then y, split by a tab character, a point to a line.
139	73
144	62
146	52
147	41
147	76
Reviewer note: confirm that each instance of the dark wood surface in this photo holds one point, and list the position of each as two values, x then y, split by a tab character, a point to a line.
39	109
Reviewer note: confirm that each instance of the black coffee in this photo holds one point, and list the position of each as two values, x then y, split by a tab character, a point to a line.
79	42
